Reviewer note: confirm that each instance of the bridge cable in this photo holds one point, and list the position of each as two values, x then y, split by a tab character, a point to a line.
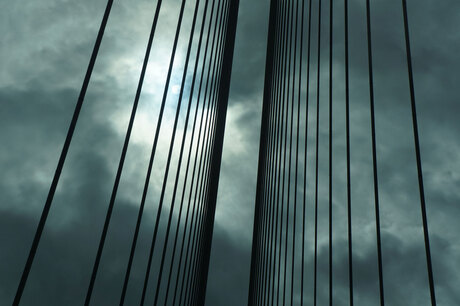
374	153
62	157
417	153
347	122
317	153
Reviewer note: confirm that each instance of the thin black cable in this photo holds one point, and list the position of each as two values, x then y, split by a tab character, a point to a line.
62	157
200	173
160	205
195	71
261	222
306	143
275	197
171	147
197	242
196	271
196	154
197	245
317	153
224	88
285	124
197	145
272	174
264	254
266	212
297	144
283	154
331	10
276	148
417	154
194	276
290	145
281	120
374	152
122	160
268	196
266	292
276	176
347	122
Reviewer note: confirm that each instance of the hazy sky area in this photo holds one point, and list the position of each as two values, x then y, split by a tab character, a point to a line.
44	51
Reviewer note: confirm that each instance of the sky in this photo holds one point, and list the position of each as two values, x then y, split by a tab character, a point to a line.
44	53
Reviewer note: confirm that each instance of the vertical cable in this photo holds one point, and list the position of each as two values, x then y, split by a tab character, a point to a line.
290	146
284	122
171	147
255	281
160	205
277	176
212	53
223	93
218	21
120	167
194	274
62	157
317	153
417	154
195	71
306	142
297	138
374	152
198	142
122	160
196	240
280	142
330	146
269	148
347	122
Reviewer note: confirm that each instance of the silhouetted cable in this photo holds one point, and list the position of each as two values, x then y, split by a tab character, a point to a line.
269	182
374	152
262	247
223	92
284	124
171	147
198	242
290	131
317	153
297	144
122	159
190	196
277	154
280	187
196	275
417	154
198	141
265	292
62	157
270	283
280	157
306	140
347	122
261	285
331	10
192	87
160	205
194	212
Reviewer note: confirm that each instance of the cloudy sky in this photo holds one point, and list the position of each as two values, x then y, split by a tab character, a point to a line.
44	53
